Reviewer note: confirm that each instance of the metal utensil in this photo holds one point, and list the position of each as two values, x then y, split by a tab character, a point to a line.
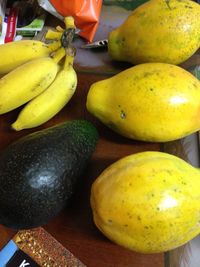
96	44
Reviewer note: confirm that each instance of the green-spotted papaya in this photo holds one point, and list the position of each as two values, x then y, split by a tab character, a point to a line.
158	31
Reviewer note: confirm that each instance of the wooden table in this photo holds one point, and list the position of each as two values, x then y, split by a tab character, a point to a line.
74	227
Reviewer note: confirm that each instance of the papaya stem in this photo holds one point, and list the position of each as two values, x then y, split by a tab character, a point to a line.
167	3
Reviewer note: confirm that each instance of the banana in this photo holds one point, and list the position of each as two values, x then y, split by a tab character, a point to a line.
27	81
16	53
46	105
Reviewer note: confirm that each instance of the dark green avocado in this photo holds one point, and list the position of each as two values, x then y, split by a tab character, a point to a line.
39	172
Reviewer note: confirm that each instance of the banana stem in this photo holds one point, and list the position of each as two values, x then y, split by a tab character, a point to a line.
54	46
69	58
66	40
59	29
59	54
69	61
69	22
52	35
68	34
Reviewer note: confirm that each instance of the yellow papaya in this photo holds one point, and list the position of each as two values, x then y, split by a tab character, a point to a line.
158	31
148	202
154	102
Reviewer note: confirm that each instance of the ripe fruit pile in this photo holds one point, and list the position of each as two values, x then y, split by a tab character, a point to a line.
155	100
35	76
149	202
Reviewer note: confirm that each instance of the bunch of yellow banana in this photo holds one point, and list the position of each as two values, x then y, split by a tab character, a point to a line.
40	82
28	80
17	53
47	104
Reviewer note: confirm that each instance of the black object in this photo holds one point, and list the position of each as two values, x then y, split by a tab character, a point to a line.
21	259
39	172
27	11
